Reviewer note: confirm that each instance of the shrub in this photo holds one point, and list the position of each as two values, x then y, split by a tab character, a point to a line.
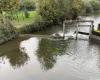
57	10
37	26
7	31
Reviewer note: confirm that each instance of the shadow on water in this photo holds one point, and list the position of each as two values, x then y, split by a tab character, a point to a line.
12	53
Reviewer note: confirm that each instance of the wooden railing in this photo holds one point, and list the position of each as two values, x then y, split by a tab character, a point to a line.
78	25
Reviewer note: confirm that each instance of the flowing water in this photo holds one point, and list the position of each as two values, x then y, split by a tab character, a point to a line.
43	58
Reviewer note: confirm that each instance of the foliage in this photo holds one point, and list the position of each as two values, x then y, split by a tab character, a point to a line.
76	8
95	4
21	21
6	5
34	27
7	31
55	10
48	10
28	4
91	6
88	8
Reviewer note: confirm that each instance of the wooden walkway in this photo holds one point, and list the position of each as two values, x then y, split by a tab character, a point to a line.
91	26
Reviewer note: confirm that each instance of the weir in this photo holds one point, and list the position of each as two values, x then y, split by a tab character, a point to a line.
91	27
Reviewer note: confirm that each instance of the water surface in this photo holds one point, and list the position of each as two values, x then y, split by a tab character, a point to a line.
43	58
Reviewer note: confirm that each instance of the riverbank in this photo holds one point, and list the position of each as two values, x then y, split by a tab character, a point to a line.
33	23
34	27
22	21
95	35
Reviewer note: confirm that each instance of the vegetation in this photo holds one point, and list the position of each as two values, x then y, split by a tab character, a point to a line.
34	27
27	4
7	31
57	10
8	5
91	6
21	21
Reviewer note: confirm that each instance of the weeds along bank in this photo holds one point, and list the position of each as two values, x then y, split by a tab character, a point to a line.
7	31
34	27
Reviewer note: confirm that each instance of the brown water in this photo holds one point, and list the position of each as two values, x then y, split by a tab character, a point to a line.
42	58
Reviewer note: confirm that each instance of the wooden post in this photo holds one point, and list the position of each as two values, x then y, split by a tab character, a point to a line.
77	31
91	29
64	29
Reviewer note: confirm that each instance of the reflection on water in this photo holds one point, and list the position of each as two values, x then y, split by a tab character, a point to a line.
48	52
12	53
73	60
49	59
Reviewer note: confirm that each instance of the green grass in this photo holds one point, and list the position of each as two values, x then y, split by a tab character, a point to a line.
22	21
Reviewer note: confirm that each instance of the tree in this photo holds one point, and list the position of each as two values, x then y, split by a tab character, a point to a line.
91	6
28	4
47	9
6	5
95	4
56	10
75	8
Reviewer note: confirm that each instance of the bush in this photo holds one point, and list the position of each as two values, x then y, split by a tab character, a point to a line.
7	31
34	27
28	4
57	10
91	6
37	25
95	5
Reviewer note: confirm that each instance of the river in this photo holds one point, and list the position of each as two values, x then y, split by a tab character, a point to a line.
43	58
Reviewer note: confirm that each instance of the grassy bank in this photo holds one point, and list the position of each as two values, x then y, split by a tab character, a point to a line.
28	25
31	24
96	32
22	21
34	27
